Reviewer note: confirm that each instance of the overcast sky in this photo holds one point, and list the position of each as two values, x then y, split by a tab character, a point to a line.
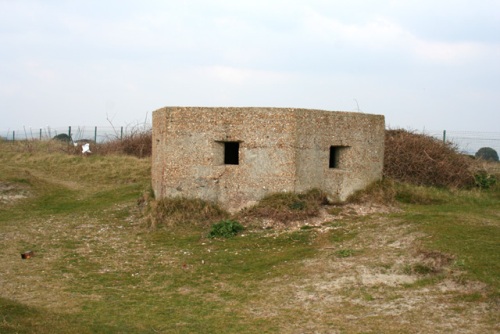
424	64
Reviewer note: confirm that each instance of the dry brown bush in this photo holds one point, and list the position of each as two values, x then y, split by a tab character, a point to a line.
138	143
423	160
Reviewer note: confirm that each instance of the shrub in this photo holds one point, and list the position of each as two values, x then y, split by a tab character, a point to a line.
423	160
487	153
62	137
484	180
138	143
225	229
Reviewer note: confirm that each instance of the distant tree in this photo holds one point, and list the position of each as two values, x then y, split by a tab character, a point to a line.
62	137
487	153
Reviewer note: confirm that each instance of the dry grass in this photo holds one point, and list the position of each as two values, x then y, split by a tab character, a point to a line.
136	143
380	192
287	207
176	211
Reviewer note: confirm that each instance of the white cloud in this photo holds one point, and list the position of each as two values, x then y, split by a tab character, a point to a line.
379	33
451	53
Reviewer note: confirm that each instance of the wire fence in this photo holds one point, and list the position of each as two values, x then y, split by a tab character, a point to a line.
97	134
467	142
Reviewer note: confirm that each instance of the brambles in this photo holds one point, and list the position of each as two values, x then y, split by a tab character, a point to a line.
425	161
137	143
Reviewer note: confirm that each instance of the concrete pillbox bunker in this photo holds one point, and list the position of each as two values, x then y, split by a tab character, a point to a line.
236	156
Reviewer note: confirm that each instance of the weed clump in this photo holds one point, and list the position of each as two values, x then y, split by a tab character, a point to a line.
429	262
179	210
287	207
484	180
137	143
225	229
425	161
344	253
382	192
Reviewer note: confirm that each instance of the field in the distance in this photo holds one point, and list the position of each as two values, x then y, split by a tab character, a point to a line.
432	267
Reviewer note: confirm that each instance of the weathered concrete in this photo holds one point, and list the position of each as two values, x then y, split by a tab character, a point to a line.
279	150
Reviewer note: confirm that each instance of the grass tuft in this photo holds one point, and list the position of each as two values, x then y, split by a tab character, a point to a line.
288	207
382	192
179	210
342	253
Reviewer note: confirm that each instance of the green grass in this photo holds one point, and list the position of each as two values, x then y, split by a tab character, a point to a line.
342	232
467	225
100	268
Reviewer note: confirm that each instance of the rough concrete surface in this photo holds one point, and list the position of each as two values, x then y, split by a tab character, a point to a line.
277	150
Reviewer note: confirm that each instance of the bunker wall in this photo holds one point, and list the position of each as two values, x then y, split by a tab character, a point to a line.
276	150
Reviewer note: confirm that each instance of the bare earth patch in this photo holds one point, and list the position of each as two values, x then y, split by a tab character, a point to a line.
384	284
12	192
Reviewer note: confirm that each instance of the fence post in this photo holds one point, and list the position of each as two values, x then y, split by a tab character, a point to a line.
444	136
40	134
13	135
121	133
95	135
69	132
